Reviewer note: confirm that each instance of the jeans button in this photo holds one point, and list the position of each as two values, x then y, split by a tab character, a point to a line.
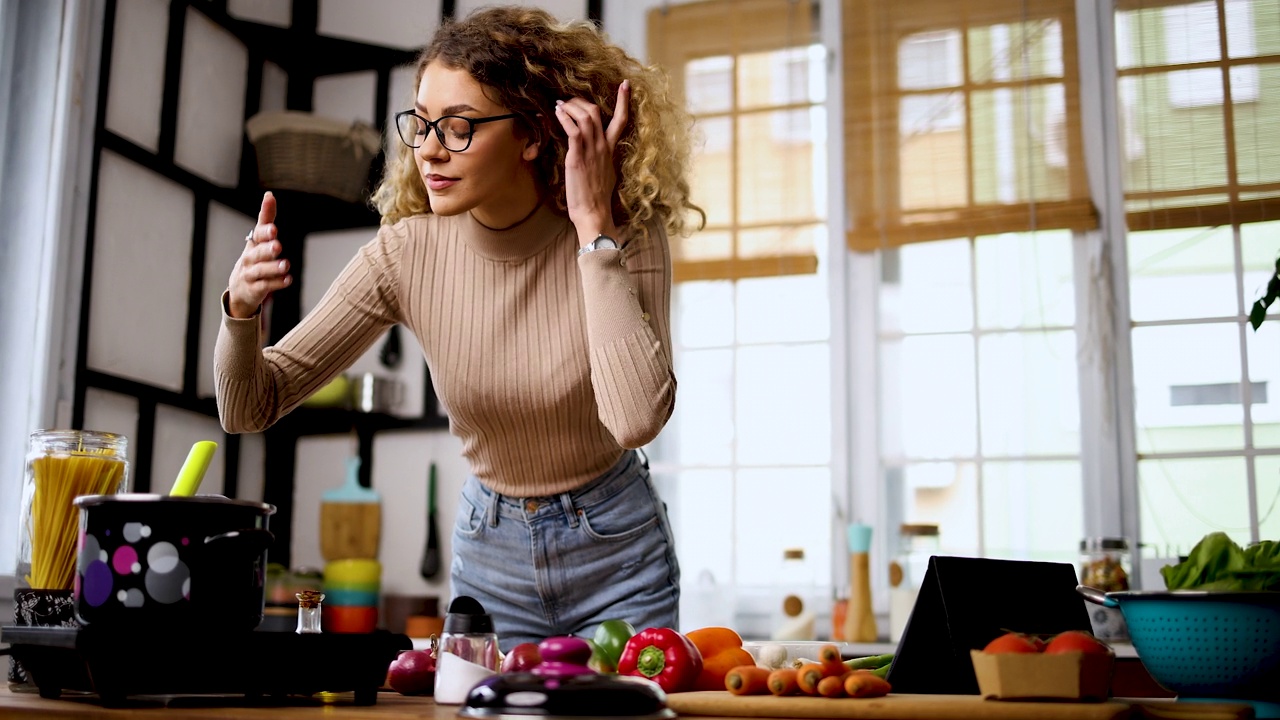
531	506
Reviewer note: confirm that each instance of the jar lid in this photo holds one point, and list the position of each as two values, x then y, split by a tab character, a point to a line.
466	616
1104	543
793	554
918	529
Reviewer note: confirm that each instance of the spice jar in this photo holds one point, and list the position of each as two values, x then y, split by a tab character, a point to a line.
1105	565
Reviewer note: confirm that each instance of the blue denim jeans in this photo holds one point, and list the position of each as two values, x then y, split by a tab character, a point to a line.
559	565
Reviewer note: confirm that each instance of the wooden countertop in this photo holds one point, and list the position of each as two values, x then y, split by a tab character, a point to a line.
392	706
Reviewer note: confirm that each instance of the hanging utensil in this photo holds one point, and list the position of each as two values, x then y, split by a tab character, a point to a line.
193	470
431	554
391	352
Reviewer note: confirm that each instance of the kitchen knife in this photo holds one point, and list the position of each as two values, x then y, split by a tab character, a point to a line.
431	554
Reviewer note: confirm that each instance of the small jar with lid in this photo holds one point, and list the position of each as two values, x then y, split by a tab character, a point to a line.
793	618
917	542
1105	564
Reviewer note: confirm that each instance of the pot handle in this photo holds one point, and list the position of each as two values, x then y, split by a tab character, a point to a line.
250	541
1097	597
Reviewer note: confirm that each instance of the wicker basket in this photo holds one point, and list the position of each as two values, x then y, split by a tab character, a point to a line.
299	151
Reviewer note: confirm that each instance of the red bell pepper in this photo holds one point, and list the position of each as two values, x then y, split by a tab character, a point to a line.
663	656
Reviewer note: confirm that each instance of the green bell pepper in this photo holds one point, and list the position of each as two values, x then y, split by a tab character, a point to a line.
610	638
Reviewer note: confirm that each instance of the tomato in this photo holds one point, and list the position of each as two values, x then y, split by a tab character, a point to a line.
1011	643
1076	641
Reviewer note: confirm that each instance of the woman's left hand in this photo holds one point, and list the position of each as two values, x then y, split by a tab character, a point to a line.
589	177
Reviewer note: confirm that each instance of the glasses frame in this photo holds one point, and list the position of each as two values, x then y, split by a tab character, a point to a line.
435	125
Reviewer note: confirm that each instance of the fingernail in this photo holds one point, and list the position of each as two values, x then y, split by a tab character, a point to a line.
284	264
288	279
559	103
626	85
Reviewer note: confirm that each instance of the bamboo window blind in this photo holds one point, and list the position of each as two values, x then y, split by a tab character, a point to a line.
962	118
753	76
1202	135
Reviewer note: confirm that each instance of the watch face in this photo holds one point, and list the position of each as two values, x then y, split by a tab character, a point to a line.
604	242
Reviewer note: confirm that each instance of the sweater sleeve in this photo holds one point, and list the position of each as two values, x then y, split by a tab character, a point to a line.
257	386
628	305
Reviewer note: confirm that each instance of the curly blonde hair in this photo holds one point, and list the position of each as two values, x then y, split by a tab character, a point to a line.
526	60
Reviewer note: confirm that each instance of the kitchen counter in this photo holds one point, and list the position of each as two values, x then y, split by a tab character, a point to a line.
391	705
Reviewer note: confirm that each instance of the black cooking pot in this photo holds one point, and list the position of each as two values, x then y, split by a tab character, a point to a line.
162	561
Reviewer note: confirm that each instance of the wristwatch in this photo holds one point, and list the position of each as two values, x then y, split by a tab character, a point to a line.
602	242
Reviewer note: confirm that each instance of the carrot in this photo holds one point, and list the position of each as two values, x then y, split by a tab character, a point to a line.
832	665
807	677
783	682
865	684
747	680
831	686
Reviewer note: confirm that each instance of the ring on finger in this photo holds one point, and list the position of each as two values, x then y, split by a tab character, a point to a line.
249	238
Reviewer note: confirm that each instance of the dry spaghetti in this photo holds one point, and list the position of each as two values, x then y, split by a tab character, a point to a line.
55	521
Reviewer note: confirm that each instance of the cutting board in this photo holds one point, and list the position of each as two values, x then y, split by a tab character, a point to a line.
350	519
941	707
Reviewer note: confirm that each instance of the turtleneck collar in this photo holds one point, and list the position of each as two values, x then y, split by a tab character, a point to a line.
518	242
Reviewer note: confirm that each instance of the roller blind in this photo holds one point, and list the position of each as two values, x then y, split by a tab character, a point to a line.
754	78
1202	137
962	118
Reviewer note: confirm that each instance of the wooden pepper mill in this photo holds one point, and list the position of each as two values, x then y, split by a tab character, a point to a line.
860	619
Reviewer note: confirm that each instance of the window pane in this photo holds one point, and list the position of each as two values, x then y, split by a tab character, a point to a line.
703	314
932	151
1181	501
700	506
1025	280
1184	150
779	508
1257	124
703	417
784	405
1268	481
1173	362
930	60
1031	49
708	84
776	166
782	77
1181	274
927	397
1030	400
1018	497
788	308
1008	166
942	493
712	170
1264	371
928	289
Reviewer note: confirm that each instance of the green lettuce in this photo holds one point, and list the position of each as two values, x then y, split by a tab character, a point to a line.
1218	563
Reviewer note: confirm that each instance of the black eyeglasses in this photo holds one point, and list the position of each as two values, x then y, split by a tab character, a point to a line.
453	131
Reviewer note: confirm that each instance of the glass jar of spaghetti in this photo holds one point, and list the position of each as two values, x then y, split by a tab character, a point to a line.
61	466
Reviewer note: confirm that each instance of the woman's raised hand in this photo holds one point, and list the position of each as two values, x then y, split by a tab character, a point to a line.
259	271
589	176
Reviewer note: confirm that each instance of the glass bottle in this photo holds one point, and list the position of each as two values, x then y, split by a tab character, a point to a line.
1105	564
309	612
917	542
63	464
60	465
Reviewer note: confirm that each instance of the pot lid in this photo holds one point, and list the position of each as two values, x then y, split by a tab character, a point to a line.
92	500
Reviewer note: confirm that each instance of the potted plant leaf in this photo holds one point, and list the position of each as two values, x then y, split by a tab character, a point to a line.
1259	311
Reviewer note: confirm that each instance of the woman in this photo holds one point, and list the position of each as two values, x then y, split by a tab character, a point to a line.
524	243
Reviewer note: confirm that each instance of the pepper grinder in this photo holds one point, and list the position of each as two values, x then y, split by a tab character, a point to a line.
468	650
860	619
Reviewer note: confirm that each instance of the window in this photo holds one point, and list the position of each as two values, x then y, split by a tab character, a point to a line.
745	460
1201	246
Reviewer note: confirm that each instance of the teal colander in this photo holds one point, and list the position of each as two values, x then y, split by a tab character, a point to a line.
1204	644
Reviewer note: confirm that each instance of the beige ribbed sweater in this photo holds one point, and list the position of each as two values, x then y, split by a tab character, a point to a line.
549	364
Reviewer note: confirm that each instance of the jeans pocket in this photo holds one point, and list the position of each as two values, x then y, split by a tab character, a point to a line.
470	521
621	516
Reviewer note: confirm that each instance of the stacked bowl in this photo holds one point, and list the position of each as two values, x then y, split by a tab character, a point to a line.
351	590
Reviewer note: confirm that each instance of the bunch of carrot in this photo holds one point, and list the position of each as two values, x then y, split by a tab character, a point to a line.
828	676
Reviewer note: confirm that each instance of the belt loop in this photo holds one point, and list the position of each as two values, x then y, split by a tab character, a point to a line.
643	456
566	502
494	499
